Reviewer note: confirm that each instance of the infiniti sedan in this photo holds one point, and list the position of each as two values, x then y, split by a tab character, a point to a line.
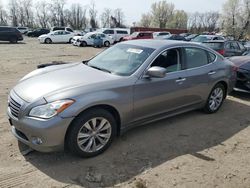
84	106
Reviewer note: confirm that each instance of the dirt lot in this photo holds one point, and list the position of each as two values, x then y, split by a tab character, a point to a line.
190	150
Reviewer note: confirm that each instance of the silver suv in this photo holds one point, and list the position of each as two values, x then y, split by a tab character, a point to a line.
83	106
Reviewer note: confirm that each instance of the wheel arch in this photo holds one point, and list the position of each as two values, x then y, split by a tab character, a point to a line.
224	83
109	108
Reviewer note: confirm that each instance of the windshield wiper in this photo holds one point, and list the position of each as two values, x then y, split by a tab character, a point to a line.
101	69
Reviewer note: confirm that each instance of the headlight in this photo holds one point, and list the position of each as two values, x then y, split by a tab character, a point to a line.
51	109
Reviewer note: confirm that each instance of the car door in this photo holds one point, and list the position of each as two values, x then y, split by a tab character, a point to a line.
66	36
56	36
154	96
201	73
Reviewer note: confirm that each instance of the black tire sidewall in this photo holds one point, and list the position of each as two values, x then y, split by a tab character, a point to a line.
207	108
79	121
48	41
84	44
106	43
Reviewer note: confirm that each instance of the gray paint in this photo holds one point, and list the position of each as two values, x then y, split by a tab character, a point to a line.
137	98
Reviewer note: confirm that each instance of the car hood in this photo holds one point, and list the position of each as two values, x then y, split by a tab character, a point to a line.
46	81
44	35
242	62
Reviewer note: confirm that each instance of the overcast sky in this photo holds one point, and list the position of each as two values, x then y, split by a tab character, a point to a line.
134	8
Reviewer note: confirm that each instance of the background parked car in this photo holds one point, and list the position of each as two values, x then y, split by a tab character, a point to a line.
247	53
190	37
88	39
116	33
23	30
204	38
37	32
62	28
176	37
139	35
161	35
226	48
243	73
10	34
56	37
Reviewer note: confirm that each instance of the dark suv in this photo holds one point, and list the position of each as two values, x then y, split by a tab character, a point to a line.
226	48
11	34
37	32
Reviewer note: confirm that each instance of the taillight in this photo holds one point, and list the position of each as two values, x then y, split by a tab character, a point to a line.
222	52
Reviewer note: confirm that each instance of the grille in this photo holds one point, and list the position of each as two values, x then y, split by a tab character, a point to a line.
14	107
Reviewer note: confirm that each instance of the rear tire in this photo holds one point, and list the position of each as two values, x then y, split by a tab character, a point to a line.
47	41
13	40
91	133
215	99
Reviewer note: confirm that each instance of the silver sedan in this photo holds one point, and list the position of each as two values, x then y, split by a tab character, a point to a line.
84	106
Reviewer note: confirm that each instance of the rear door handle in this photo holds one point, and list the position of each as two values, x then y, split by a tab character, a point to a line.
180	80
211	73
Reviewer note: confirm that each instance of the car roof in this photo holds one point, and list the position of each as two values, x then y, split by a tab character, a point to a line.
156	44
215	41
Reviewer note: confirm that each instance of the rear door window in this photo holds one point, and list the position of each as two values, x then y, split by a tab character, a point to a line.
195	57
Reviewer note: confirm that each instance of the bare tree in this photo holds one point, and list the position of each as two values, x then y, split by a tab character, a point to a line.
76	16
179	20
93	15
106	17
162	13
231	10
146	20
13	12
117	18
3	15
25	13
56	12
42	15
200	22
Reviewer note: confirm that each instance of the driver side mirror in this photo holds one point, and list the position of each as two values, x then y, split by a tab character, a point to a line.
156	72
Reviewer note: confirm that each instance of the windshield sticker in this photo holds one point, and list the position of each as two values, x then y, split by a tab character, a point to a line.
133	50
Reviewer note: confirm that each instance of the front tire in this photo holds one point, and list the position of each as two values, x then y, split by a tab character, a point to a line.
83	44
47	41
215	99
91	133
106	43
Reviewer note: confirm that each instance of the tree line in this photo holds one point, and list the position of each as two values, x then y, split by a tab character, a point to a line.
234	20
51	13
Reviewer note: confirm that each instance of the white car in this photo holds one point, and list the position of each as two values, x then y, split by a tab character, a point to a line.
56	37
116	33
88	39
161	35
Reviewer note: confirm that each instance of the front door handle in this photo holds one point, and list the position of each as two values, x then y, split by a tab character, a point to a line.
211	73
180	80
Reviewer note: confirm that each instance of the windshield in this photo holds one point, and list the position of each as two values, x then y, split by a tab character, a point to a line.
121	59
201	39
134	34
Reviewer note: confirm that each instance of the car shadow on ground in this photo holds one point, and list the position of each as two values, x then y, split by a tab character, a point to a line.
6	42
147	147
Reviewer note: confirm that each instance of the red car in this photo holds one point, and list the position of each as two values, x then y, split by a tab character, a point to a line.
139	35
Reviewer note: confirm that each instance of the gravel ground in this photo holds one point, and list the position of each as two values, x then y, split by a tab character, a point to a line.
190	150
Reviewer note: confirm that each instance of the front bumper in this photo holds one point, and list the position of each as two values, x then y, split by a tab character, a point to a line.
41	135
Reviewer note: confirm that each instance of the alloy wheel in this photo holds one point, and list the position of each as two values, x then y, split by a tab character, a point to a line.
216	98
94	134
